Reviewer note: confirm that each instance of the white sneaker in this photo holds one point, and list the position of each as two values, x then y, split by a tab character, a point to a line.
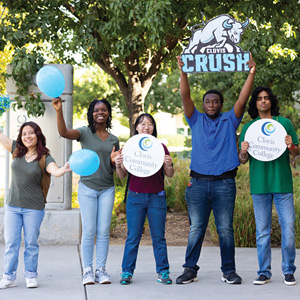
31	282
101	276
5	283
88	277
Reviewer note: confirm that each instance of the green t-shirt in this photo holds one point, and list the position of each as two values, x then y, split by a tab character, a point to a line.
103	178
273	176
25	187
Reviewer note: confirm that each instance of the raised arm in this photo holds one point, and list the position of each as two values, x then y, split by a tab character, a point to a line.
71	134
188	104
240	104
6	141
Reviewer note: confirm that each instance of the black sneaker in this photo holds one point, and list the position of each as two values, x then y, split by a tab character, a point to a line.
232	278
187	276
261	279
289	279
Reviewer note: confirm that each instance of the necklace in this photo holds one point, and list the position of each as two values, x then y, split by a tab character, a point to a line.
28	156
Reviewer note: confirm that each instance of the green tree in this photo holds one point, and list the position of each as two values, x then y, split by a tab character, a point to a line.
5	59
131	40
5	56
90	84
164	94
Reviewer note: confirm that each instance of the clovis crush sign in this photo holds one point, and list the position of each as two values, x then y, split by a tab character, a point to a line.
213	47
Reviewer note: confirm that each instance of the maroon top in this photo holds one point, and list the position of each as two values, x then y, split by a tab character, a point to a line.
151	184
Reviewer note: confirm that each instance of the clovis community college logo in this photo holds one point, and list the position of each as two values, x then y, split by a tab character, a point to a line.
213	47
145	143
266	138
143	155
268	128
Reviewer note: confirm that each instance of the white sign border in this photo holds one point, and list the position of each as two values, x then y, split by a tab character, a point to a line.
256	124
159	151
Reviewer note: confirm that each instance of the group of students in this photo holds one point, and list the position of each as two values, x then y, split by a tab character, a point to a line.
214	164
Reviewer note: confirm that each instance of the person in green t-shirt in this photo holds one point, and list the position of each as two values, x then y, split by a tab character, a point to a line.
96	192
272	181
25	204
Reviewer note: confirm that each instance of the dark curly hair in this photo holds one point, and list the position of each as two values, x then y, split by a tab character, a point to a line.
141	118
252	110
41	148
90	114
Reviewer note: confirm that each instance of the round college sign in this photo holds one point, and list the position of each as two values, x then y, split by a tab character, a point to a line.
266	138
143	155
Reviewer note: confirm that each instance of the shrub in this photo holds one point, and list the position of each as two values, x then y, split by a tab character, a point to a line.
175	186
297	207
75	203
119	205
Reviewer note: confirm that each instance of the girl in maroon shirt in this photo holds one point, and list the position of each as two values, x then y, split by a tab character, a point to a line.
146	197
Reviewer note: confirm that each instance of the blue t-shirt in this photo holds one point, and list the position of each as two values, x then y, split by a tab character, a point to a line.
214	147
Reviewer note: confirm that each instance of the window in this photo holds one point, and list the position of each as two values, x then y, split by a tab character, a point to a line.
180	131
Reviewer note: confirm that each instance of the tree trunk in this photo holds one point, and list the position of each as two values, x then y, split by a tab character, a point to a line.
135	99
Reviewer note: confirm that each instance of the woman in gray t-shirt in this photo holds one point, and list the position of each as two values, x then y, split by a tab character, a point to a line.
25	202
96	193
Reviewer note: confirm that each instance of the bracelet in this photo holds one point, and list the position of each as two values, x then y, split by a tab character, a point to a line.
240	155
291	147
117	167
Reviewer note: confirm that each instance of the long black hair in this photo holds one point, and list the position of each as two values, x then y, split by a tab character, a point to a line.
91	110
252	110
141	118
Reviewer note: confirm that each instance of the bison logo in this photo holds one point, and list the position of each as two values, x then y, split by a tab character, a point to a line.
213	47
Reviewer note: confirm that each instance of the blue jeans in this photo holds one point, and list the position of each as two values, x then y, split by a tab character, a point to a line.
96	209
284	204
138	206
30	220
202	196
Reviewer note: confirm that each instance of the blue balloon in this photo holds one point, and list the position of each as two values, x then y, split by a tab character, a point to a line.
84	162
50	81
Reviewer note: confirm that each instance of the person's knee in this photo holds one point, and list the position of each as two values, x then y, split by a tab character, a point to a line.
103	232
158	237
88	232
225	232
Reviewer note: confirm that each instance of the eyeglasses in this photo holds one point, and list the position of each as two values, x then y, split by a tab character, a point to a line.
143	125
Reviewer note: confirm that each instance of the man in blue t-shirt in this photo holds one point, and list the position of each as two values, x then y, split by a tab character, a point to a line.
213	167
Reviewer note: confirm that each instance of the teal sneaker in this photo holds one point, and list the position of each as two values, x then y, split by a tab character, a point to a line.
126	278
164	277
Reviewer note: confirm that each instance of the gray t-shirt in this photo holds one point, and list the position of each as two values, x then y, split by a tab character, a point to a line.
103	178
25	189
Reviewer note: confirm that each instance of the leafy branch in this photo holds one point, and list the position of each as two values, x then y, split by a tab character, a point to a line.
24	65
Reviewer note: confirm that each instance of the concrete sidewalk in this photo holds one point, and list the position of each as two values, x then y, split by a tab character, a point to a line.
60	277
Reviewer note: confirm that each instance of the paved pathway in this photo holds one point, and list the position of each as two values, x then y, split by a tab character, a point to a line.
60	277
